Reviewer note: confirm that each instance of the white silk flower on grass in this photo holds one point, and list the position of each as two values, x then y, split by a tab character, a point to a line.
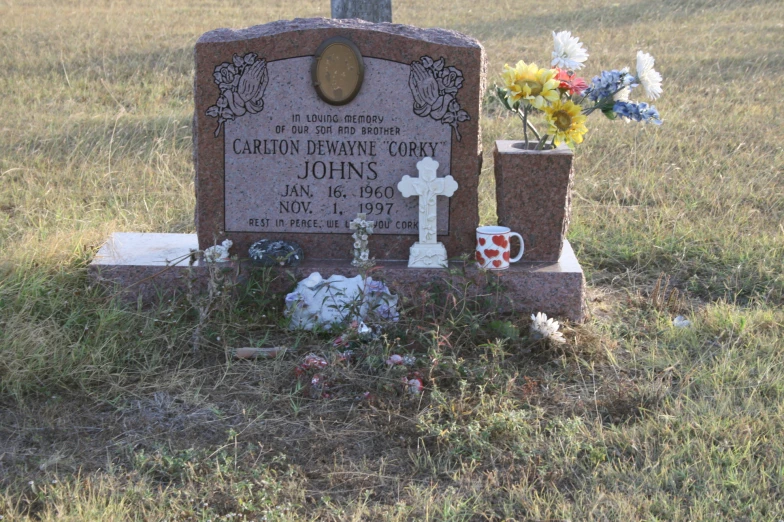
543	328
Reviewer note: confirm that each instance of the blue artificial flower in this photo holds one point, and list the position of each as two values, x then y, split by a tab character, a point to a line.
637	111
608	83
388	312
375	286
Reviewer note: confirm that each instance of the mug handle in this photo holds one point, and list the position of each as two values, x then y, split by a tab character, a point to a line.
522	247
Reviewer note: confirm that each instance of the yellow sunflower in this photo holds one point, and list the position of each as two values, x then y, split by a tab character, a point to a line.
530	83
567	123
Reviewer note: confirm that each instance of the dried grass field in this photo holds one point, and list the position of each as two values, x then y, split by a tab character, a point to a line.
107	413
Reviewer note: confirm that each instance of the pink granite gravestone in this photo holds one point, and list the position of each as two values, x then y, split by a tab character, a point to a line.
275	159
292	140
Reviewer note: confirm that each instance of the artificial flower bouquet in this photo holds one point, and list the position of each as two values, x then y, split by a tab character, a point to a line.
566	99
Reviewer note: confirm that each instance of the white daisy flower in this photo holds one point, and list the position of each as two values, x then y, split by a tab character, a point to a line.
544	328
647	76
622	95
569	52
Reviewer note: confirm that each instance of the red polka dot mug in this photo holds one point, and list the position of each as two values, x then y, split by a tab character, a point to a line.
494	247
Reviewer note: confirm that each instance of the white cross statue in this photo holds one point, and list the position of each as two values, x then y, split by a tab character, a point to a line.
427	252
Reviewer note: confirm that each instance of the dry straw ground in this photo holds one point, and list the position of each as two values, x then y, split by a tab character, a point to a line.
107	414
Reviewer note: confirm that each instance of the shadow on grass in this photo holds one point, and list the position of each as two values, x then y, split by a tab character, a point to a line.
111	67
727	69
88	139
613	16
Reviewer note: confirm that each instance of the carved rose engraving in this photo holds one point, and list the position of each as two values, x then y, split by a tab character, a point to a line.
242	83
434	88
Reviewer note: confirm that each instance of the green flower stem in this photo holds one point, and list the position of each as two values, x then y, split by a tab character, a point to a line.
523	115
530	126
604	102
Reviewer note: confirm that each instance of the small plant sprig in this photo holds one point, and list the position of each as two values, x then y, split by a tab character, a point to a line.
566	99
220	288
362	230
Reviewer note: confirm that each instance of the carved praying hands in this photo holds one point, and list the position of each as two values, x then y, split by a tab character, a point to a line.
242	83
253	83
434	88
424	87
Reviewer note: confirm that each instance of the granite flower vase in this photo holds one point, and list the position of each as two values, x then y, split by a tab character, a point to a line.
534	195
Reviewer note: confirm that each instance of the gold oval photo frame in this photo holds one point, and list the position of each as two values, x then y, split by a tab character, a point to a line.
337	71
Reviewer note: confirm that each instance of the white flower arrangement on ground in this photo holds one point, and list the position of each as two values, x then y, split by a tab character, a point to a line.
319	302
362	230
543	328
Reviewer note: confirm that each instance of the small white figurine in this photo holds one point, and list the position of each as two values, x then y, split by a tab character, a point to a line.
218	253
427	252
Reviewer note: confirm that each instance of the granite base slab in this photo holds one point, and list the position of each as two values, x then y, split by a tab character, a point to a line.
149	266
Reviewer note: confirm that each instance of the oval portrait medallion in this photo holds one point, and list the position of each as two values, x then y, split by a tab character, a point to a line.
338	71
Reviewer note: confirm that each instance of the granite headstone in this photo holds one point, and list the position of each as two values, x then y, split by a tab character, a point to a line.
300	125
